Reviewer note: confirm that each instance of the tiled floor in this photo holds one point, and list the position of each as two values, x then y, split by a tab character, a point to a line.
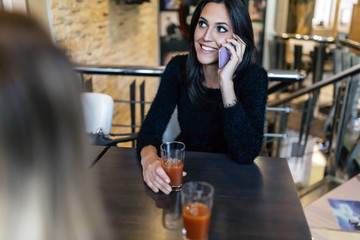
309	168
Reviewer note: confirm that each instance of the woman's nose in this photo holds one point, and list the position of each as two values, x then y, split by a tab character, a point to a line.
208	35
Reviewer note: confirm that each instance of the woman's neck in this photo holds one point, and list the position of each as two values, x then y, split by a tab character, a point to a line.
211	79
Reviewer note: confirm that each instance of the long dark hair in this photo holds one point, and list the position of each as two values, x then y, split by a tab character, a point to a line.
241	23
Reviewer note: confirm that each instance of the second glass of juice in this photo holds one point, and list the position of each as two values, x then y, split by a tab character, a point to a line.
173	154
197	200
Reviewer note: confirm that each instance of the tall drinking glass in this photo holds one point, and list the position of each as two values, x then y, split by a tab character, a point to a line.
172	218
197	201
173	154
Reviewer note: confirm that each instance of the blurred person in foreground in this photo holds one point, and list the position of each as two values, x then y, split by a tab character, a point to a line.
46	189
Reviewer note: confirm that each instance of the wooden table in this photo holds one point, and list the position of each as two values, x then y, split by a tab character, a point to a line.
257	201
95	153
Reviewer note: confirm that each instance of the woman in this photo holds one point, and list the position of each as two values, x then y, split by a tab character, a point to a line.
46	190
219	110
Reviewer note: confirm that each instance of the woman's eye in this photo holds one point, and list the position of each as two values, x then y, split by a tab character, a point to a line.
221	29
202	24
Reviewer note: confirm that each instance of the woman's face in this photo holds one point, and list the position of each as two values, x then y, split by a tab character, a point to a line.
213	28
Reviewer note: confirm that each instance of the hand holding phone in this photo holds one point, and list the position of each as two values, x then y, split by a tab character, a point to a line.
224	56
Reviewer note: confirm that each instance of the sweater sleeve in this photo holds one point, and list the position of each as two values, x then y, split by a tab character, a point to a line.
161	108
244	122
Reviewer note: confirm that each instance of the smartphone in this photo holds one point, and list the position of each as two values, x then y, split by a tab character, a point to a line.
224	56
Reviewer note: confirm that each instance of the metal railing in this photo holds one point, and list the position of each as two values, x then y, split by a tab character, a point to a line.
277	77
278	80
338	119
144	71
348	78
338	77
149	71
350	43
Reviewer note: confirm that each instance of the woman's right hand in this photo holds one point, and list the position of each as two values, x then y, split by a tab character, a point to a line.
153	173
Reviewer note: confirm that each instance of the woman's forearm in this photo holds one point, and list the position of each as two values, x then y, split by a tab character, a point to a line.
148	153
228	93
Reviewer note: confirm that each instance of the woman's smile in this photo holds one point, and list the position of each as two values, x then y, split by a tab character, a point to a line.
207	49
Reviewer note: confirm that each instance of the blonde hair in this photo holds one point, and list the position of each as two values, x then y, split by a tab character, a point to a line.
46	189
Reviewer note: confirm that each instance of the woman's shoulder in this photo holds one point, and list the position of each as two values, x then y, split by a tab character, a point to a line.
255	70
175	69
178	61
253	75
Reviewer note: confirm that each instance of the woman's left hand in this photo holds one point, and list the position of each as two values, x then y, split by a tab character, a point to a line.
237	48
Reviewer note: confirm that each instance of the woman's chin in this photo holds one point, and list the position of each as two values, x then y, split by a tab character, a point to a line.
207	61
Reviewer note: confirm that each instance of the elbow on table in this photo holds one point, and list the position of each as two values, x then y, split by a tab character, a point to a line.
244	158
247	155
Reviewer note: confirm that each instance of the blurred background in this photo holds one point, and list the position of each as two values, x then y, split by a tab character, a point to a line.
317	113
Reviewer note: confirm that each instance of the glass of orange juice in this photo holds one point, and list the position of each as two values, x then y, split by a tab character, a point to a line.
197	201
173	154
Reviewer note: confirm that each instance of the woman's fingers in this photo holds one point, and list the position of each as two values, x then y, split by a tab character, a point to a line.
238	39
164	187
241	46
156	178
162	180
162	174
237	46
152	186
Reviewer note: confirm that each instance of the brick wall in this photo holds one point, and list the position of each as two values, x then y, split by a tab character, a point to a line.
104	32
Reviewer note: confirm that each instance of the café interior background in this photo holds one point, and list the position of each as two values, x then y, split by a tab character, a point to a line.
113	32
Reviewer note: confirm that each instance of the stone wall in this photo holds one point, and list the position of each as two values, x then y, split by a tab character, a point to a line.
107	32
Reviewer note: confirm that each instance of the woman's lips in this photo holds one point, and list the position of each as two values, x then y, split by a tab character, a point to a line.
207	49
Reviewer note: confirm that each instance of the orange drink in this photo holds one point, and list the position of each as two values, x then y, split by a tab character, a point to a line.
197	200
174	169
196	217
172	155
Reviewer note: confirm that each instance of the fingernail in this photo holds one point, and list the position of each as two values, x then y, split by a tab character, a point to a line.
168	180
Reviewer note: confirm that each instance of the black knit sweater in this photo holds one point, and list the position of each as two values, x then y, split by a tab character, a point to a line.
236	130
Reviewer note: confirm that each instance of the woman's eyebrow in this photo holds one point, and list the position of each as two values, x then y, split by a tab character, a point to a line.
218	23
202	18
222	23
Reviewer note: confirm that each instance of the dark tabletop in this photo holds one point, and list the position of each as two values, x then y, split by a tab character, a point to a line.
94	153
257	201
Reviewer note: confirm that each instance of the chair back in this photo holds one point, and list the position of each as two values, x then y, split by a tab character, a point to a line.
172	129
98	112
